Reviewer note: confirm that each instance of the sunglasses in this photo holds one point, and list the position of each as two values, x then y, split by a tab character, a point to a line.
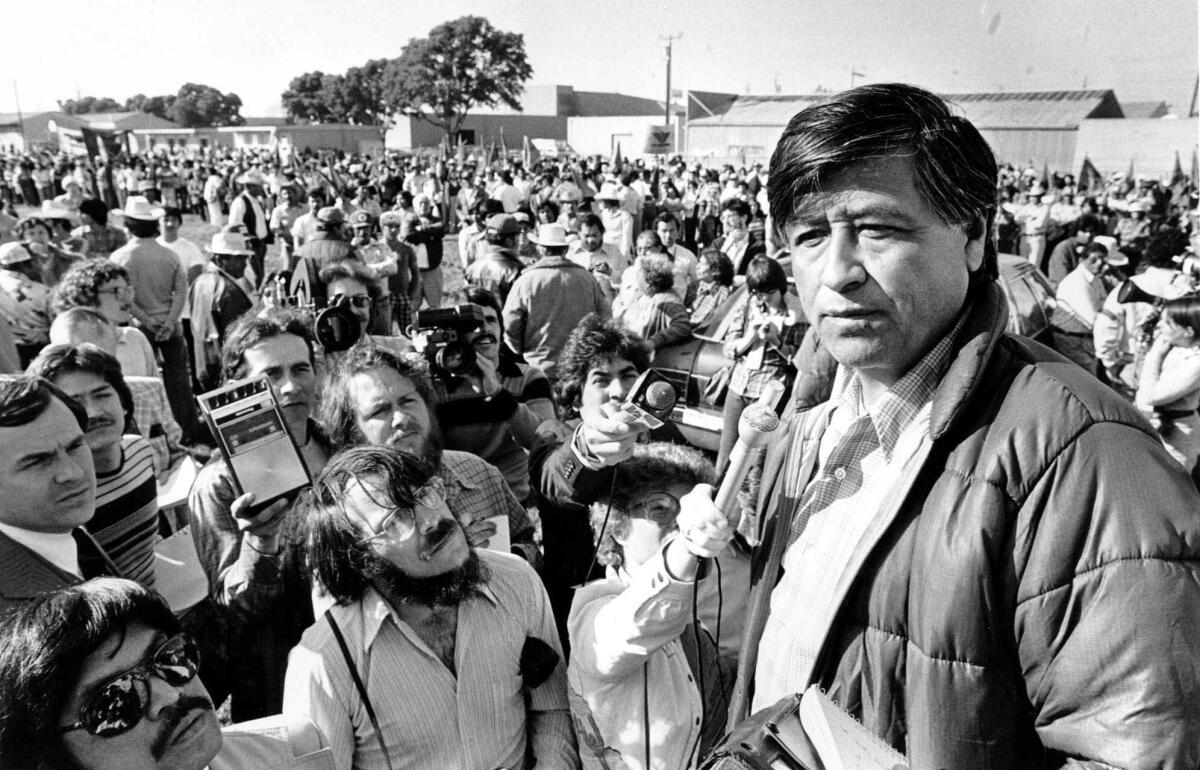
119	704
660	507
402	521
122	292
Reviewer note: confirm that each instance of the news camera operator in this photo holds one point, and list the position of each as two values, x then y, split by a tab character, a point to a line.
478	414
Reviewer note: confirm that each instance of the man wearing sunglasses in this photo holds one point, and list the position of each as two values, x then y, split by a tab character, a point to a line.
98	676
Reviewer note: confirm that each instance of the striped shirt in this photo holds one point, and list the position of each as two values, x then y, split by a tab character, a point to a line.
126	520
863	454
431	717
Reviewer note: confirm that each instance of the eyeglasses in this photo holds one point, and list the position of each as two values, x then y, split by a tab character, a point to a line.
660	507
120	704
120	292
357	300
401	521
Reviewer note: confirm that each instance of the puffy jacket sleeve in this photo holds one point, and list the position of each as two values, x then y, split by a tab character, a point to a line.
1107	609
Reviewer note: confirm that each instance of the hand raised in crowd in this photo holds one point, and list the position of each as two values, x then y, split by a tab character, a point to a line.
609	437
261	529
491	380
704	533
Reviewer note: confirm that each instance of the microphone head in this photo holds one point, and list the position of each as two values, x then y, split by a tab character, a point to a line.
660	396
756	425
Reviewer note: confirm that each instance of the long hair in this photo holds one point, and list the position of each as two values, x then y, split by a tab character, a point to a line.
1185	312
954	168
339	414
42	648
337	554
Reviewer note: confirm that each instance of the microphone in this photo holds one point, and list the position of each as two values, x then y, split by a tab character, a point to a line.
755	427
659	399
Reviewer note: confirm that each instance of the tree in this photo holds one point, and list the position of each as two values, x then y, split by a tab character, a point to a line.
200	105
155	105
88	104
307	98
463	63
355	98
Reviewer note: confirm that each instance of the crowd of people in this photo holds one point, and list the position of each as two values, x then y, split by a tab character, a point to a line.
984	550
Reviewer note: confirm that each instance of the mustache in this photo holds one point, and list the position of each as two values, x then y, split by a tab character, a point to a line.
99	422
486	338
431	542
173	716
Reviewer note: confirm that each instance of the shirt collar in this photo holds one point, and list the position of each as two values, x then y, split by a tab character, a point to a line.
451	473
893	412
376	610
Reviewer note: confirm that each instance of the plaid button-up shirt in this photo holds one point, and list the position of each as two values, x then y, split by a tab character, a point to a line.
863	454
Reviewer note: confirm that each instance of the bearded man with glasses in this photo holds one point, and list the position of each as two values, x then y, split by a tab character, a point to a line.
451	652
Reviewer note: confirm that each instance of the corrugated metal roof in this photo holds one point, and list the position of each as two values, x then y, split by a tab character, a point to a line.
62	118
125	120
1039	109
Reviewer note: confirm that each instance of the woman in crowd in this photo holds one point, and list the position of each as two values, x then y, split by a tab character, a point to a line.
1169	386
761	337
655	312
714	284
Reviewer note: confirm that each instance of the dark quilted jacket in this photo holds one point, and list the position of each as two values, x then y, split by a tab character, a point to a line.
1035	602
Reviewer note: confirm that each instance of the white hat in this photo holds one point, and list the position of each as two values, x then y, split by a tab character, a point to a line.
67	181
550	235
137	207
608	192
253	176
1114	256
229	242
12	253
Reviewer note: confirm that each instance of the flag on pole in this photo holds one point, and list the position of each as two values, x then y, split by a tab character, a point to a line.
1047	180
490	158
1179	183
1130	182
460	152
530	153
1195	175
1089	178
503	147
1177	176
617	160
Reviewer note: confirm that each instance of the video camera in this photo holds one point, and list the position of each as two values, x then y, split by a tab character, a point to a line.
442	329
335	326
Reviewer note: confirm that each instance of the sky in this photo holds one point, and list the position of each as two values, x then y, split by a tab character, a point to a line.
1144	51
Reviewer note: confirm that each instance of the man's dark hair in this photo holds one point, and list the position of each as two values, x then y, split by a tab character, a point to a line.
595	341
339	415
42	648
56	360
336	551
142	228
351	269
1163	247
954	169
549	207
591	220
666	218
737	206
96	209
170	212
80	286
477	295
251	329
765	274
1089	222
316	192
24	397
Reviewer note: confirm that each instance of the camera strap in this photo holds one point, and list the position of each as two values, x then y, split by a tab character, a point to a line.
362	690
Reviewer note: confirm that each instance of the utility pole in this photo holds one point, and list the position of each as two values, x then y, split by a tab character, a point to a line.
20	118
667	102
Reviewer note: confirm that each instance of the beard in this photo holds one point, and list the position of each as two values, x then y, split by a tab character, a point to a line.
431	445
448	589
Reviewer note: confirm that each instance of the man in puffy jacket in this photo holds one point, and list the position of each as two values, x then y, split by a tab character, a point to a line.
971	544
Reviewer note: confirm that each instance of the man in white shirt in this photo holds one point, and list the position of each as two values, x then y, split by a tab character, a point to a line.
190	256
247	210
435	630
1080	298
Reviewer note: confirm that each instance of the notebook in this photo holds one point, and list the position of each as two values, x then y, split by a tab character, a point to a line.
840	740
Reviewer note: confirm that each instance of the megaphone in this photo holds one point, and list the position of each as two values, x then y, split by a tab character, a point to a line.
1129	291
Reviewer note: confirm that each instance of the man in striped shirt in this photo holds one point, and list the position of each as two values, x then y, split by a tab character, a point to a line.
126	520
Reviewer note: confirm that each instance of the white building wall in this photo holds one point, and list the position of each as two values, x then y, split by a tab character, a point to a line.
1151	143
599	136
